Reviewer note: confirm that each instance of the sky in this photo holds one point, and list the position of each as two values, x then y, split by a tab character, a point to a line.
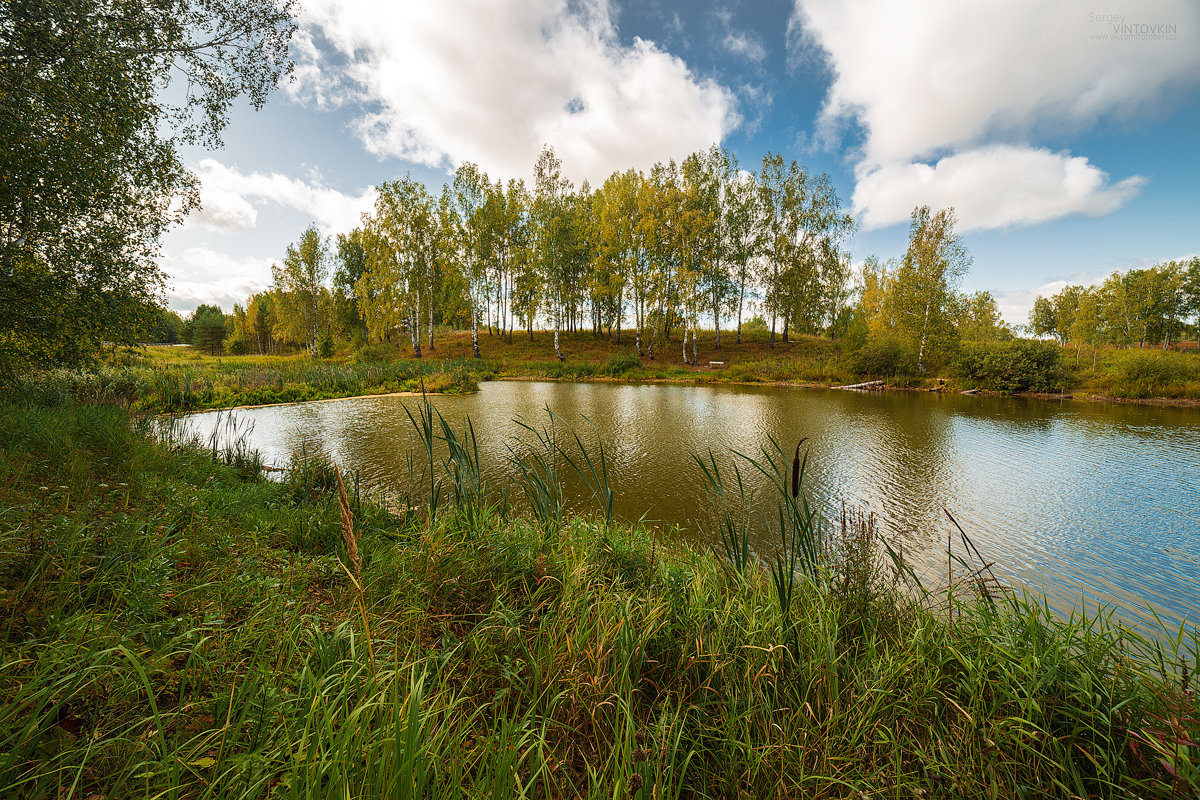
1066	135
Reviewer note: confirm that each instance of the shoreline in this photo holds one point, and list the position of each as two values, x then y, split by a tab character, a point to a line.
1162	402
322	400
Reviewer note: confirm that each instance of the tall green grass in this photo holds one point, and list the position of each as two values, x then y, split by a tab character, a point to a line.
224	384
175	627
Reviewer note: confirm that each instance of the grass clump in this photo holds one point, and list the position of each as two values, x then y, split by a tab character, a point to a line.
1152	373
175	627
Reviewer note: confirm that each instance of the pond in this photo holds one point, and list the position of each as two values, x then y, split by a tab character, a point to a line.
1089	502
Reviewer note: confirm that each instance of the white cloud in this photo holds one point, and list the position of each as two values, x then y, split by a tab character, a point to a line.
226	196
201	275
928	79
457	81
991	187
927	75
745	45
324	88
223	210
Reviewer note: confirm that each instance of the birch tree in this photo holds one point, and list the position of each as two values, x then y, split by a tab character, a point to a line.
401	255
551	226
300	282
928	278
470	192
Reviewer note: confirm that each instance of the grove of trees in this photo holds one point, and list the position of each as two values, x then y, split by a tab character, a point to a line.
1136	308
644	257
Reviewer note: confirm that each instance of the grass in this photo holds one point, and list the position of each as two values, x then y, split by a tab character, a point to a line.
175	626
180	383
178	379
1137	374
175	378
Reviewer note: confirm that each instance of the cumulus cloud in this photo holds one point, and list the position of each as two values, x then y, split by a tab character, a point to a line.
311	81
927	75
201	275
991	187
456	81
226	196
925	80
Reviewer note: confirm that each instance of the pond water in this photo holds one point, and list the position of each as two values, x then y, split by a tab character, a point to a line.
1089	502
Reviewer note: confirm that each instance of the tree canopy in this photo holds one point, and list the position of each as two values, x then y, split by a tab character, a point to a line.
698	240
90	173
1132	308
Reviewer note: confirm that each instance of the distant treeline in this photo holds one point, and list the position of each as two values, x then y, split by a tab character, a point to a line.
647	258
1138	307
640	258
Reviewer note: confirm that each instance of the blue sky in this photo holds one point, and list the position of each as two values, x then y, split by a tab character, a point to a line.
1066	135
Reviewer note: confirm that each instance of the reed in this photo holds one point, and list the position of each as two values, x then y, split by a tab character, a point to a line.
536	463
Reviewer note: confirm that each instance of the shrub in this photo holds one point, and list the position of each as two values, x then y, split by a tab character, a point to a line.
755	326
620	363
381	351
325	348
238	347
1019	365
884	358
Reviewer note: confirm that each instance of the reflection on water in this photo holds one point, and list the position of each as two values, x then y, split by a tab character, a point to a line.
1091	502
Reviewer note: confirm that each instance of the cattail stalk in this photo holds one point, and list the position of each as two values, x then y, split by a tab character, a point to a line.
796	469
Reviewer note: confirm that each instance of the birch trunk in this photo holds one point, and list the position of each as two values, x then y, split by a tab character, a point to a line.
475	329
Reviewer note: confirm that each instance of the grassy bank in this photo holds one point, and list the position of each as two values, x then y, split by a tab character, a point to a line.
177	627
168	380
1135	374
181	379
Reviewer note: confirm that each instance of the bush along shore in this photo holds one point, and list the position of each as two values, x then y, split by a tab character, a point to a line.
176	626
180	379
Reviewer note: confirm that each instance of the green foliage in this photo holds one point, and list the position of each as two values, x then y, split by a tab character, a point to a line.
238	347
621	363
123	386
1135	307
89	165
173	629
167	327
1020	365
233	383
325	345
380	351
755	327
884	358
207	328
1149	373
301	299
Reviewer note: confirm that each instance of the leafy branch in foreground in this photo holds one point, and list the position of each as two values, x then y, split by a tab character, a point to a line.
90	172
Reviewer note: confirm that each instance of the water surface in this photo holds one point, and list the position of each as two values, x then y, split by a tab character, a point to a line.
1090	502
